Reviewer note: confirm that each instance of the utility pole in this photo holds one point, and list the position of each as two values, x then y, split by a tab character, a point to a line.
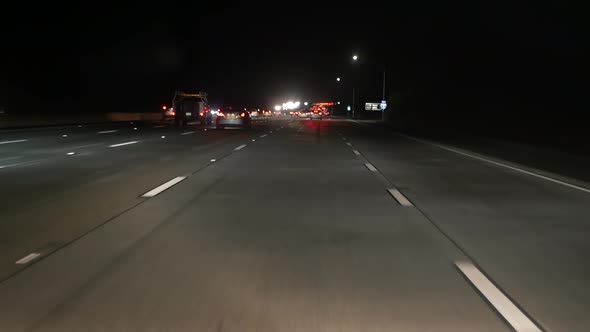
383	95
353	103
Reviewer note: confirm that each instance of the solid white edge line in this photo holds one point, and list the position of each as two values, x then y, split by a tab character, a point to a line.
163	187
348	143
107	131
240	147
262	136
511	313
27	258
356	152
121	144
188	133
371	167
586	190
399	197
15	141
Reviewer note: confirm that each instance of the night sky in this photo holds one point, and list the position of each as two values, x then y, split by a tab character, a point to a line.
454	60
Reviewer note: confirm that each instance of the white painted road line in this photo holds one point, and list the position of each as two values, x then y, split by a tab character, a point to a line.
348	143
371	167
64	135
121	144
263	136
27	258
573	186
160	126
107	131
511	313
188	133
240	147
399	197
212	160
344	138
163	187
15	141
356	152
162	136
71	153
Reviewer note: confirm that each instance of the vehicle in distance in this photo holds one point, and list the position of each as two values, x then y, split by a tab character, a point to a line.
168	113
189	107
233	117
316	113
254	112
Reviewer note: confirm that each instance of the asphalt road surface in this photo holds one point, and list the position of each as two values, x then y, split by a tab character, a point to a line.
294	225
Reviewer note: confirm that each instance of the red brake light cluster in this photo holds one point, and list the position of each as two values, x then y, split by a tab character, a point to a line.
220	113
242	114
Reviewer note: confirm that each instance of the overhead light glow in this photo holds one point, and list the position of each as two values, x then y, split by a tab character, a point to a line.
278	107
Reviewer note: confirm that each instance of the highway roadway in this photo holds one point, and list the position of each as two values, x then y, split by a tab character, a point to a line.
294	225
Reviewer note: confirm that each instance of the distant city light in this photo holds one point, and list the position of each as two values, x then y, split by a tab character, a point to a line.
338	79
355	57
278	107
338	103
305	103
348	108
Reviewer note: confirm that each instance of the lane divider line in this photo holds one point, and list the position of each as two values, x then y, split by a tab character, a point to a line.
163	187
356	152
349	144
107	131
27	258
121	144
371	167
343	138
399	197
15	141
160	126
573	186
188	133
509	311
240	147
263	136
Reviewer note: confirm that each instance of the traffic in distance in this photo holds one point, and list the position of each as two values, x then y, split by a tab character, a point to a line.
188	108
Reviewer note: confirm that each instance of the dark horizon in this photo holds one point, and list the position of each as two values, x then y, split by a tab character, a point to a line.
459	60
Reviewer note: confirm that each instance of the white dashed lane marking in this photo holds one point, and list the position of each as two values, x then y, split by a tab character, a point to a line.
27	258
15	141
511	313
399	197
163	187
122	144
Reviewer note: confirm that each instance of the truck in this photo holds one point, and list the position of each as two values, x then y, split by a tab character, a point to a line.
189	107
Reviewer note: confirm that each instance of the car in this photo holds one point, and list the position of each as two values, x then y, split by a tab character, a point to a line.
315	114
168	113
254	112
233	117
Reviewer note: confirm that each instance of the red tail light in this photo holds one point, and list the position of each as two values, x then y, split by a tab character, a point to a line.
173	113
201	114
164	107
242	114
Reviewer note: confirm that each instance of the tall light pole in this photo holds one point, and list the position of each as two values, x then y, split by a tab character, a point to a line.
354	59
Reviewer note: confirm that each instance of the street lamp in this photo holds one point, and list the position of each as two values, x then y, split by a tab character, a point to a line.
338	79
355	57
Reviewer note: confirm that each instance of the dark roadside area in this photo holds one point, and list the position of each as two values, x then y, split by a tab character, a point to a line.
560	149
